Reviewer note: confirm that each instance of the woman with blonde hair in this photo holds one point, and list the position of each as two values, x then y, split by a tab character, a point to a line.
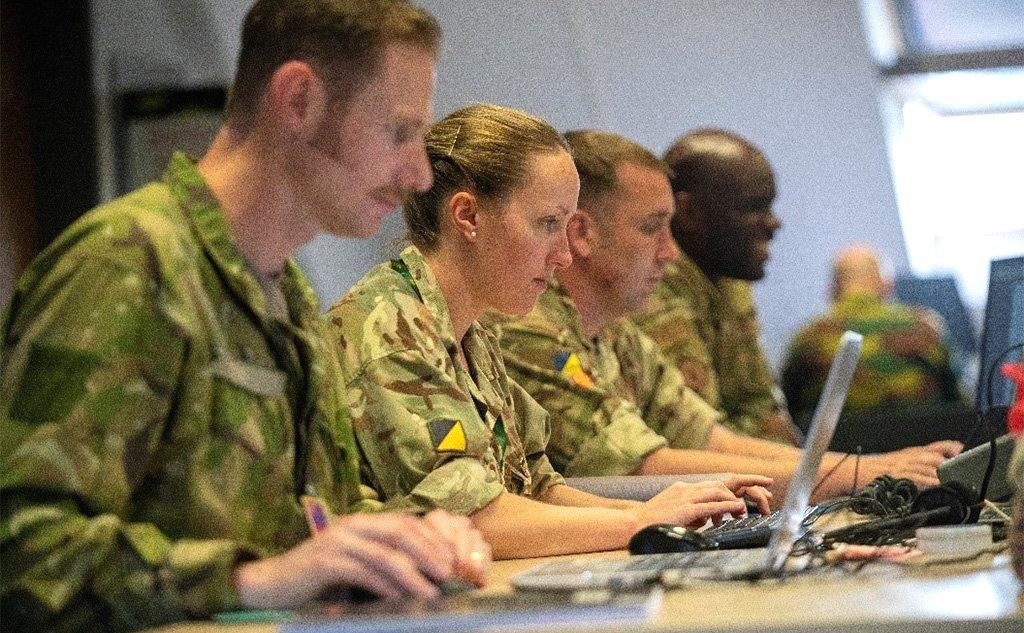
438	422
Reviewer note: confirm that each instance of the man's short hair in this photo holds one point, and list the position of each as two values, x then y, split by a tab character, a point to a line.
597	155
342	39
693	156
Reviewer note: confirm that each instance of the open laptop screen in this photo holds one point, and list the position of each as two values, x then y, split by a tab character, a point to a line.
823	425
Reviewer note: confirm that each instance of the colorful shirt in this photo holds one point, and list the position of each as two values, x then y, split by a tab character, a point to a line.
613	399
157	425
432	434
904	360
710	332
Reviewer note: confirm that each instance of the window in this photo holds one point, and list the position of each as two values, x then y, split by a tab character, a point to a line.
953	99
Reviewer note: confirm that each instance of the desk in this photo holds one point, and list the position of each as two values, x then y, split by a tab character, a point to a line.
982	597
883	597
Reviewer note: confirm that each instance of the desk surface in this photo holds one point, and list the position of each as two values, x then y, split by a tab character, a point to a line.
981	596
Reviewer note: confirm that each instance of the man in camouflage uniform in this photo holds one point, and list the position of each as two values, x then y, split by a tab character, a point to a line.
166	393
617	405
905	361
703	315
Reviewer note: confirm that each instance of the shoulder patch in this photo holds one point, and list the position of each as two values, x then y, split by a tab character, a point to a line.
448	436
569	365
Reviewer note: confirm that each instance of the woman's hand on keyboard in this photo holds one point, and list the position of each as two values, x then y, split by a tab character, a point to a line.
690	504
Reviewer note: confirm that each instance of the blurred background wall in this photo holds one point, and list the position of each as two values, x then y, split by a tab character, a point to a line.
795	77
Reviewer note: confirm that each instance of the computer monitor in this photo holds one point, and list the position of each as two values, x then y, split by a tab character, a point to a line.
942	295
1004	327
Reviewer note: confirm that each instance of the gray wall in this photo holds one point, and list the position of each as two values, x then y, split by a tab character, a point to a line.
792	75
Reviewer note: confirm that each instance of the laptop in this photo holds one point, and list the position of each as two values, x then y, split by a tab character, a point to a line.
580	573
471	612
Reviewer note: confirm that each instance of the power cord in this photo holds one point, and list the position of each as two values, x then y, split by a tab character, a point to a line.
993	435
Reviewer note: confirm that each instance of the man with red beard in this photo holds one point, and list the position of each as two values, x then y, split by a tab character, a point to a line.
170	412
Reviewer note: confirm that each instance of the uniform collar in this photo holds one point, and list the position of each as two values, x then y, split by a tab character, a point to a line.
429	291
555	300
684	278
859	298
210	226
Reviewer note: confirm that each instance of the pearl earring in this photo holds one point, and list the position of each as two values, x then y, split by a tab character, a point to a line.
472	233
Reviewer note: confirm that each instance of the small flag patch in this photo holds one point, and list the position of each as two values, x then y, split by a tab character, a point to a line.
569	365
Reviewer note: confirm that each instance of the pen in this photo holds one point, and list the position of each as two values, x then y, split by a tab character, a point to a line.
238	617
316	512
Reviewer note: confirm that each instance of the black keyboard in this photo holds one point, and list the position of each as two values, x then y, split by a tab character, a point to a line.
751	531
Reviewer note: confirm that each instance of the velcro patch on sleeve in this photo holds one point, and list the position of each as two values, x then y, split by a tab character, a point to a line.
448	436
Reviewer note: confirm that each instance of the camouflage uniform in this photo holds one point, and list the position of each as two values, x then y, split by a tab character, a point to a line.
148	405
431	434
613	399
904	360
710	332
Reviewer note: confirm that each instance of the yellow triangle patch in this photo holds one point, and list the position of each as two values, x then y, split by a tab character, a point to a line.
454	440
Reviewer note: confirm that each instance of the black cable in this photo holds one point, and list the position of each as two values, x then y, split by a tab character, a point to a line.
829	473
856	470
992	370
992	431
982	408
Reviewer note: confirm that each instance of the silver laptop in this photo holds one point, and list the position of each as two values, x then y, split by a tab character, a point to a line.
579	573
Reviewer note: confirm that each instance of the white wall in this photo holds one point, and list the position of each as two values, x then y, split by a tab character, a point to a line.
793	76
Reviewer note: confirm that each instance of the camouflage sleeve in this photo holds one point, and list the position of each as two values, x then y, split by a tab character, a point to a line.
734	379
745	380
667	405
535	430
593	431
672	325
423	442
85	393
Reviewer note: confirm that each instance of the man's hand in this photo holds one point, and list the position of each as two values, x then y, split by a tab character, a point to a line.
472	553
752	487
690	504
917	463
392	555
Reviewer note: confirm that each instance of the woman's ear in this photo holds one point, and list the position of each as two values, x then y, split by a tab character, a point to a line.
464	209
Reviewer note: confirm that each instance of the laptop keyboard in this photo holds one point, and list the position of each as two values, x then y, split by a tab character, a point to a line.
681	560
749	531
